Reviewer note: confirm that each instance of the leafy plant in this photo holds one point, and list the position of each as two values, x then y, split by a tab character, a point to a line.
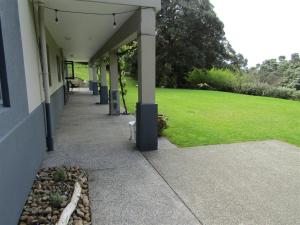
162	124
56	200
59	175
222	80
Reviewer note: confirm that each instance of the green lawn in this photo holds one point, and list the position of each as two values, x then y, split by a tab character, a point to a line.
81	71
210	117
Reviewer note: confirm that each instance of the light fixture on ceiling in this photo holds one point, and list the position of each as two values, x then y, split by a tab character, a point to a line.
56	17
68	38
115	24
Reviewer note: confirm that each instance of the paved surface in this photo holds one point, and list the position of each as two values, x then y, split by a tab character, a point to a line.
255	183
124	188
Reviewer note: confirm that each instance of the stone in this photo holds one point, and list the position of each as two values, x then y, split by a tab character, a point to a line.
85	201
78	222
54	219
48	210
43	219
24	218
79	213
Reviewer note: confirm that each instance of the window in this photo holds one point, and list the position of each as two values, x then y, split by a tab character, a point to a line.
70	70
58	69
4	94
49	66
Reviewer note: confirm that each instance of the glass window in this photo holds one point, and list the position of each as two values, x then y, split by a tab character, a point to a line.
1	98
4	94
58	68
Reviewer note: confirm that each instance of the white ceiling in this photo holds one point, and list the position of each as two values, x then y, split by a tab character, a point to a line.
80	36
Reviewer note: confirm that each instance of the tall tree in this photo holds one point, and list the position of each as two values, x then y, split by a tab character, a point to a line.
191	35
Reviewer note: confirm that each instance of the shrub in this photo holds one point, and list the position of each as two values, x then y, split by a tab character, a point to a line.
263	89
55	200
222	80
59	175
162	123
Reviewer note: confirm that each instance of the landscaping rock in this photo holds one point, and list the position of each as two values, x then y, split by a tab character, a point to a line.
49	197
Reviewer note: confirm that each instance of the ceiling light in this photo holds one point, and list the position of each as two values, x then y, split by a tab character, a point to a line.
115	24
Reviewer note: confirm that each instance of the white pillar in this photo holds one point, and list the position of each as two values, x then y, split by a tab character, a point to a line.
114	87
103	75
45	73
90	77
146	111
103	87
95	79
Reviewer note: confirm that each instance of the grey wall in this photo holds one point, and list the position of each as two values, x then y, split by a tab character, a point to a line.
21	152
22	135
9	18
57	106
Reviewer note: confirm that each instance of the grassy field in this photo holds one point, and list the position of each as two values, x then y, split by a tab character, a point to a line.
210	117
81	71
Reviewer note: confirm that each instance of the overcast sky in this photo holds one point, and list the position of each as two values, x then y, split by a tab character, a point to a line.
261	29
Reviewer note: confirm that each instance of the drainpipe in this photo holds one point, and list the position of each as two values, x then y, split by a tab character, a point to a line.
45	70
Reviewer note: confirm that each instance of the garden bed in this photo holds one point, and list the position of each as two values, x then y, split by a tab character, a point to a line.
51	193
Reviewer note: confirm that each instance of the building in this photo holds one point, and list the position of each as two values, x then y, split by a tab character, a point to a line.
39	40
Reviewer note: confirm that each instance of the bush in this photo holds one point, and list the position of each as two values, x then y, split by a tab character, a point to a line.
263	89
162	123
56	200
59	175
222	80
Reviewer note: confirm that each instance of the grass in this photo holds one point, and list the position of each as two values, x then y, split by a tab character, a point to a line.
211	117
81	71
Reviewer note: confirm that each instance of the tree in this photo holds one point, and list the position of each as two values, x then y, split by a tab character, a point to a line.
191	35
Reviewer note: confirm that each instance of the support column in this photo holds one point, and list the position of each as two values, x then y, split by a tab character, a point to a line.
49	138
103	87
114	97
146	109
95	80
90	77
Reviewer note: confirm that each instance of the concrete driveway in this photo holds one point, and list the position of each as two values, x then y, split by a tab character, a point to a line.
255	183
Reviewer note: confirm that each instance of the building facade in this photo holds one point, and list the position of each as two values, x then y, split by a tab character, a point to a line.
32	78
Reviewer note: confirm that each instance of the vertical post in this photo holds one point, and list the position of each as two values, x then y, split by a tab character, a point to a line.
114	87
95	80
146	109
45	70
103	87
90	77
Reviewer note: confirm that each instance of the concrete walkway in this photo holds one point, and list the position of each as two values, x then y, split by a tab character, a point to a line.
255	183
124	188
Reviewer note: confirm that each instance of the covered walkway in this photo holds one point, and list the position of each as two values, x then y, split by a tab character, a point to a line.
124	188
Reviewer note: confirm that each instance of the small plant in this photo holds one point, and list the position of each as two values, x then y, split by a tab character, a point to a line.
56	200
59	175
162	123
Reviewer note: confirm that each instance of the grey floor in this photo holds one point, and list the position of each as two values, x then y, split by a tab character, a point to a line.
255	183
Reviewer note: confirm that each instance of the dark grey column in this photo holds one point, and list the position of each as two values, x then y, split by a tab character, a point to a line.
95	88
103	95
146	127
